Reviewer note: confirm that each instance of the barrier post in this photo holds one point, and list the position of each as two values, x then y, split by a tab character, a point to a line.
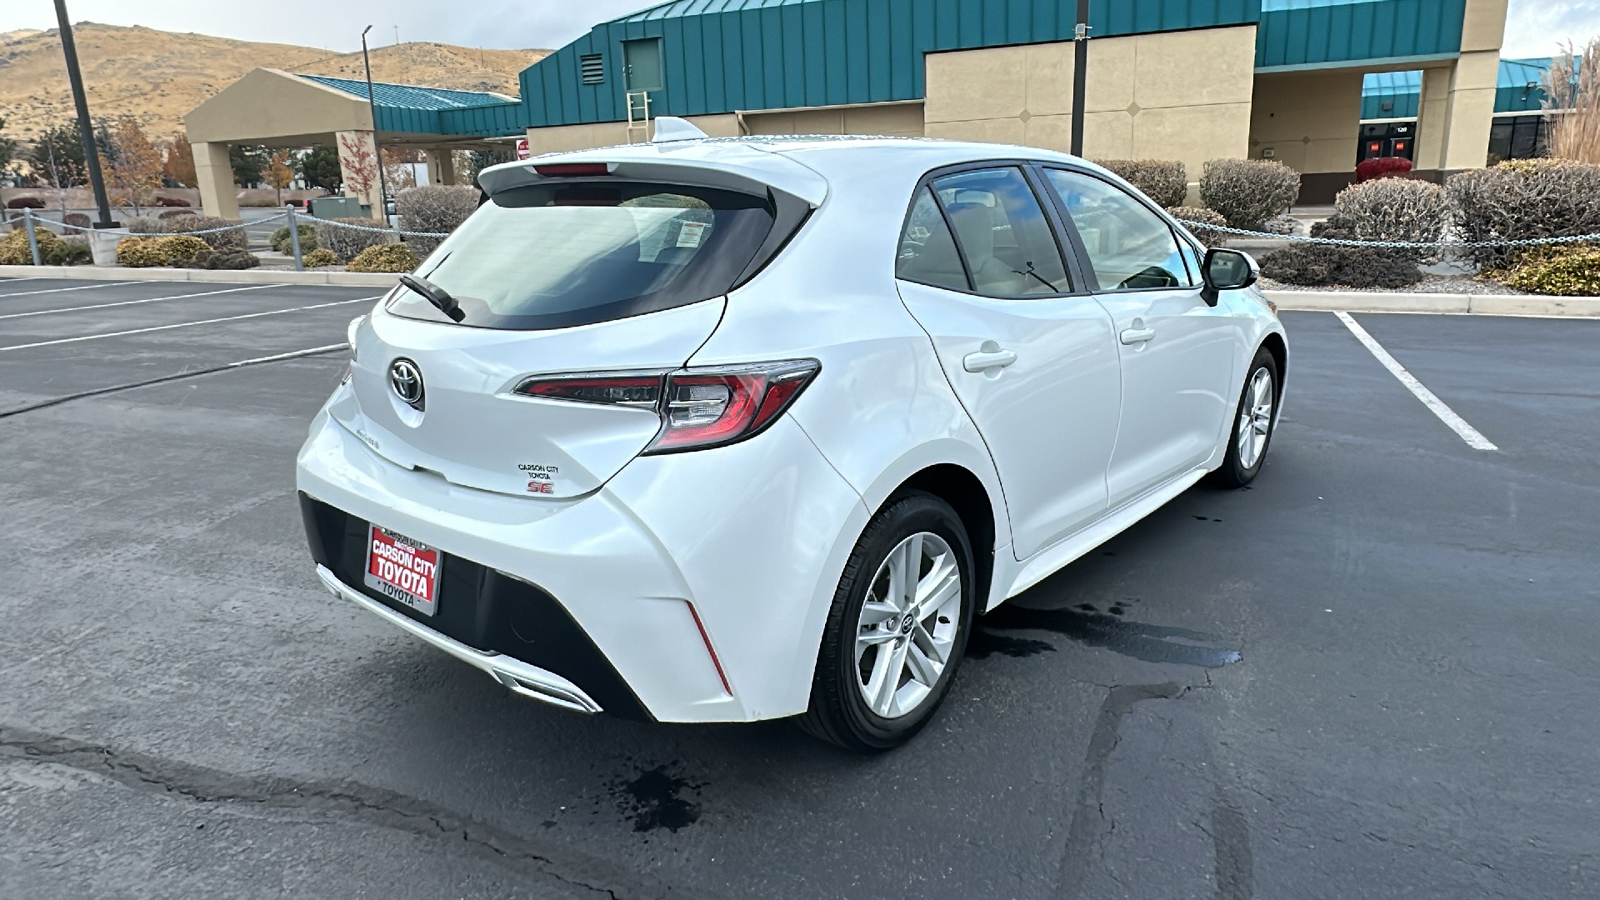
33	240
294	238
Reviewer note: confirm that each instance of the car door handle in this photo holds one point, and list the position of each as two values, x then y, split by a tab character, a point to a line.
1138	335
990	357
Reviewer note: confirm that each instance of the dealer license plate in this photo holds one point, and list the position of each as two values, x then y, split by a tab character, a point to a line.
403	569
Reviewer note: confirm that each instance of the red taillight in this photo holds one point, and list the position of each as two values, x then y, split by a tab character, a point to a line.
619	390
573	170
699	408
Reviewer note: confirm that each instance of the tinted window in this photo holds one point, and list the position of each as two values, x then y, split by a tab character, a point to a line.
1130	247
927	252
1008	246
556	255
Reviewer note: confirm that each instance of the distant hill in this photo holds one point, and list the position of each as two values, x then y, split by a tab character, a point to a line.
159	76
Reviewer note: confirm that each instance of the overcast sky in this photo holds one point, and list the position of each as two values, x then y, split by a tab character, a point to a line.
1534	29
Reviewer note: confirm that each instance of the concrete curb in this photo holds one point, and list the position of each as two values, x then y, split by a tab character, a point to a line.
1460	304
205	276
1346	301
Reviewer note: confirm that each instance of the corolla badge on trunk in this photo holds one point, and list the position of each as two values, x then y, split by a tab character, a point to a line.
405	379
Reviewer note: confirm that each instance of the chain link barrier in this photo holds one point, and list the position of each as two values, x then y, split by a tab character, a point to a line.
126	232
1388	245
307	217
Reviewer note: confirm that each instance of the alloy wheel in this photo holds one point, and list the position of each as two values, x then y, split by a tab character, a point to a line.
1255	419
908	625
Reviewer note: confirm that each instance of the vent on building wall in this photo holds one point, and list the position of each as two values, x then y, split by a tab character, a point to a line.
593	67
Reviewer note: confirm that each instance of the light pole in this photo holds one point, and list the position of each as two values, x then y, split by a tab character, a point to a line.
91	155
1080	75
377	148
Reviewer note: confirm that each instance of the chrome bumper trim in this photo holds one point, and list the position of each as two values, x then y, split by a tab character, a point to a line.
520	677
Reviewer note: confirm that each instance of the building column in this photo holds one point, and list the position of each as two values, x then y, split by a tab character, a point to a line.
441	166
1457	112
214	173
358	168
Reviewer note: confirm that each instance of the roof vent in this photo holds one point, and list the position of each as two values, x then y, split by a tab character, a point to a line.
672	128
593	68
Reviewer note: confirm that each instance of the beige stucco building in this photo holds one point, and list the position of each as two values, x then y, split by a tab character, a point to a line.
1166	79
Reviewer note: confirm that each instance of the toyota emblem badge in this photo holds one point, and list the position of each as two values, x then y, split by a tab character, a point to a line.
406	381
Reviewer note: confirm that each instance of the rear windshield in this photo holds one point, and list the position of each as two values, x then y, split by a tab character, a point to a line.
559	255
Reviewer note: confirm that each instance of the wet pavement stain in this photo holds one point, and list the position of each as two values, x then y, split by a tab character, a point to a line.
1087	625
654	799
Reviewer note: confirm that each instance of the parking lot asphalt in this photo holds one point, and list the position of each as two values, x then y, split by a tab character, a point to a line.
1370	675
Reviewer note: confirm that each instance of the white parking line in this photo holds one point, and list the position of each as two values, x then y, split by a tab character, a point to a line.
47	312
4	281
83	287
257	315
1448	416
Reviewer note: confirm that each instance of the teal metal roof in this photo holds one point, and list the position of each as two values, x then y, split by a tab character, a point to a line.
409	95
719	56
1402	90
1310	34
414	109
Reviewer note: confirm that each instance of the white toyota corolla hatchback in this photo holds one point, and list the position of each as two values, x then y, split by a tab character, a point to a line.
725	430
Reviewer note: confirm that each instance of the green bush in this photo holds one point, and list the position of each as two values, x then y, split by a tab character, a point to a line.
181	249
136	252
318	258
347	243
281	242
69	251
1248	192
1529	198
1393	209
1192	214
15	251
1572	270
439	209
1164	181
383	258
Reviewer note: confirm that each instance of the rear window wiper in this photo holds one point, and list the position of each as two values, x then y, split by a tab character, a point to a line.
434	294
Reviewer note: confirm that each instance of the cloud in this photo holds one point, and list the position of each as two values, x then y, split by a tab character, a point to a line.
1539	27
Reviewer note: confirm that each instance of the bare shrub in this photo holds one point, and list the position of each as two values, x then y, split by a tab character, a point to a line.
1394	209
1248	192
347	243
1164	181
437	208
232	239
1196	218
1526	198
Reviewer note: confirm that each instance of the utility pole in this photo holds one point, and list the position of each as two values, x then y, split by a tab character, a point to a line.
377	148
1080	75
397	35
91	155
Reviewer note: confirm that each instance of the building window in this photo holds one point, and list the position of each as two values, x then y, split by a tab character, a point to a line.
1518	137
593	67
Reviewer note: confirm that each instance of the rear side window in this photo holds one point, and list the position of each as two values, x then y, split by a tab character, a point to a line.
559	255
927	251
1004	237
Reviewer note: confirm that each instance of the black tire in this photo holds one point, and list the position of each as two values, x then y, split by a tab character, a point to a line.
1234	473
838	712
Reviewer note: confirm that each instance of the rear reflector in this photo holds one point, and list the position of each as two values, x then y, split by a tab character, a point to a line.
573	170
699	408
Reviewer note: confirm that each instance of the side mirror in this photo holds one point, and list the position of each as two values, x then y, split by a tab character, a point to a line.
1227	270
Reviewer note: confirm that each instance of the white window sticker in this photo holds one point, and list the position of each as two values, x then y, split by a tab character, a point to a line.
690	234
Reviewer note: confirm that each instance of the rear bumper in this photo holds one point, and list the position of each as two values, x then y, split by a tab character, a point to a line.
520	677
691	587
